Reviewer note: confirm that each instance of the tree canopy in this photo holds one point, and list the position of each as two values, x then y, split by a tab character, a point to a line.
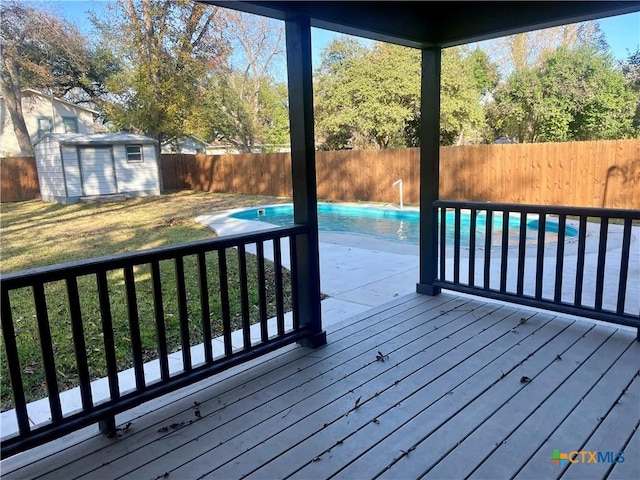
573	95
42	50
371	98
165	47
172	68
243	104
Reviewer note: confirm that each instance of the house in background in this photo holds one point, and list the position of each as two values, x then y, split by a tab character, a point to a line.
193	145
189	144
43	114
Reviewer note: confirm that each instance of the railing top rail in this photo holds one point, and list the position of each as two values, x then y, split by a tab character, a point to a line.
546	209
61	271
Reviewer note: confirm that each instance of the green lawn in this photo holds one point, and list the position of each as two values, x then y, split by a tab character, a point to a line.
36	233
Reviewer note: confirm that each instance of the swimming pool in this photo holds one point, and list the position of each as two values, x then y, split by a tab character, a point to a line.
398	225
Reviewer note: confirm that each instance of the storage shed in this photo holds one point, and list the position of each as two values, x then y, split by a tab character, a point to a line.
74	166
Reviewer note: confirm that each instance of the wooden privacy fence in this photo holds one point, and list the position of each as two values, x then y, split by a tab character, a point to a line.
584	174
252	173
18	179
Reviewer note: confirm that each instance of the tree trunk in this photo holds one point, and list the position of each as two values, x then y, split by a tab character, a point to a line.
13	99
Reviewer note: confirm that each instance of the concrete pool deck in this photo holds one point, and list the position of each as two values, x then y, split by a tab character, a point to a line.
356	271
359	272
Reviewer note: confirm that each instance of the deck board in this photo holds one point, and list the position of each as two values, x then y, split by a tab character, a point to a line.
579	423
445	400
379	386
631	465
608	435
542	403
433	378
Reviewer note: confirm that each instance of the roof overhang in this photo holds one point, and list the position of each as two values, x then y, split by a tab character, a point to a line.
434	23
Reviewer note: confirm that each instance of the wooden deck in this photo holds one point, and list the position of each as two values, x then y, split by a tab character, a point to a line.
435	387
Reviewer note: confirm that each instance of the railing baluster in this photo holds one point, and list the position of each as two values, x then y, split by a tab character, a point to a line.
224	301
487	248
624	266
134	326
562	227
183	313
443	243
262	293
522	250
456	246
582	241
542	224
244	297
602	252
504	254
161	332
205	312
293	255
46	346
277	257
472	246
107	333
79	343
13	363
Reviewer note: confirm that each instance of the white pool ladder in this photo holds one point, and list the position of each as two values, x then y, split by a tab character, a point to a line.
399	183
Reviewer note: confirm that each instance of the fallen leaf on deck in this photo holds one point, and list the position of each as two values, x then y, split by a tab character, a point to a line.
381	357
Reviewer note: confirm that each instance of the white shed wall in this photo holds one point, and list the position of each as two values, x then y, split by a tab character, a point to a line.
49	166
137	176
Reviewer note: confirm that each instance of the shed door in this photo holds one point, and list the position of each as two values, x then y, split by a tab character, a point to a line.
98	173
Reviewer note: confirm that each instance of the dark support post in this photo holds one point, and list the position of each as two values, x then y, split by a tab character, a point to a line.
108	426
429	170
303	172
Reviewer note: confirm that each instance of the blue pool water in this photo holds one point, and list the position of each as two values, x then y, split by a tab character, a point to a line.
400	225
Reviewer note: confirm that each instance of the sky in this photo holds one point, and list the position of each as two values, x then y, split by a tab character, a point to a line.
622	32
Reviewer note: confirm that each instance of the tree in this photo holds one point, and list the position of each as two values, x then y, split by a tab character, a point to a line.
335	79
365	98
631	71
574	95
527	50
243	103
371	98
166	48
461	113
484	72
41	50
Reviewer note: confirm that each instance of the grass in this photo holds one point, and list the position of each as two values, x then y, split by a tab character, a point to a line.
36	234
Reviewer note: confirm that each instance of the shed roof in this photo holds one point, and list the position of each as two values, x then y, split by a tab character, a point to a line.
119	138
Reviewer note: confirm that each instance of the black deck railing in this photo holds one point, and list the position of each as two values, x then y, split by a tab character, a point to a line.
103	411
572	260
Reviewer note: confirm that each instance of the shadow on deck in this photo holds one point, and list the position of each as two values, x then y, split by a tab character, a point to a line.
443	387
